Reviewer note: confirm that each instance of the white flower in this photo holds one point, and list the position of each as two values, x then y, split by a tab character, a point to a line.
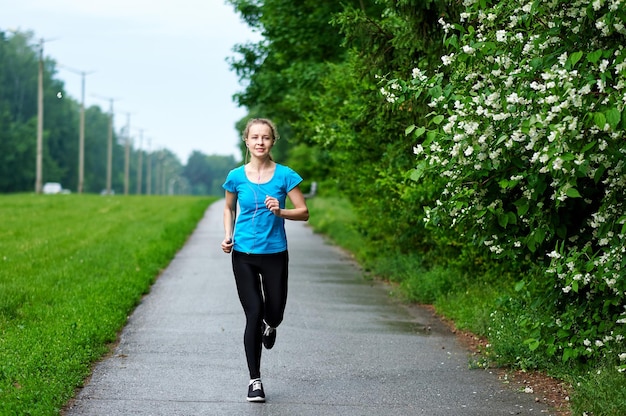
447	59
554	255
501	35
418	74
603	65
468	50
418	149
513	98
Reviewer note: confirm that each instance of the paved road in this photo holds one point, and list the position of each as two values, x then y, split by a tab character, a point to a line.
345	348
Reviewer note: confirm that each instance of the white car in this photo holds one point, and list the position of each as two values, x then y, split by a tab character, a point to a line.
52	188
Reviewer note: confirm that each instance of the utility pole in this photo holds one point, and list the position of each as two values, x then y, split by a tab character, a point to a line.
81	128
139	167
109	143
38	174
149	170
127	155
110	148
39	162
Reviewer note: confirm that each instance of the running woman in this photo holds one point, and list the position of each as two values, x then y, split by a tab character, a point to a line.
258	242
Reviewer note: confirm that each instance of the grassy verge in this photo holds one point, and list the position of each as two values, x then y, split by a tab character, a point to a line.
469	301
72	267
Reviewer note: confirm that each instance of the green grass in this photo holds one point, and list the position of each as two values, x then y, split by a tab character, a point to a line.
334	218
600	393
72	268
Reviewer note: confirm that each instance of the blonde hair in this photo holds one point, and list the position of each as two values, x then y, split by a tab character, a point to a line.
265	121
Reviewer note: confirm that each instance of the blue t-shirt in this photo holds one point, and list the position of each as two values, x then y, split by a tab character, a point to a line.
257	230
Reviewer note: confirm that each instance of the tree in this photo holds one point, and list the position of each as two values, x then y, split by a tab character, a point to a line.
286	66
206	174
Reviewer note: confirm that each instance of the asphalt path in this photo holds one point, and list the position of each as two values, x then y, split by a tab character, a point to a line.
346	347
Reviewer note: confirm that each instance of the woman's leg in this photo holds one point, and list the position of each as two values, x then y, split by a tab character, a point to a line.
251	298
274	278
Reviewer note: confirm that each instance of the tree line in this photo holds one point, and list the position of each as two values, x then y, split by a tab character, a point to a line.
486	137
133	170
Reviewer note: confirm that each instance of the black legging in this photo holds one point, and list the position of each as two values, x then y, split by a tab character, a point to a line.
262	287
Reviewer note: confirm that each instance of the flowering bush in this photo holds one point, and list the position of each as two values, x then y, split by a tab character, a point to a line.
528	128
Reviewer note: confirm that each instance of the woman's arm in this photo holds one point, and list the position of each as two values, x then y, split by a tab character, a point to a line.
230	213
300	212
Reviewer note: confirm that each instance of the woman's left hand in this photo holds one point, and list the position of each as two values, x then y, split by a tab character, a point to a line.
272	204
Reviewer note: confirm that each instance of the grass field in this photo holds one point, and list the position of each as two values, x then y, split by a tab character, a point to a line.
72	268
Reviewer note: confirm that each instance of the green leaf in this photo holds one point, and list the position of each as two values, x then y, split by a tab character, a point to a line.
503	220
568	353
418	172
435	91
531	245
420	131
539	235
437	120
599	173
573	193
536	63
600	120
522	207
512	218
588	146
594	57
563	333
532	343
623	221
409	129
519	286
613	117
575	57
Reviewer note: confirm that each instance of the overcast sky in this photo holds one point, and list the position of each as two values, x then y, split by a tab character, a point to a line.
163	61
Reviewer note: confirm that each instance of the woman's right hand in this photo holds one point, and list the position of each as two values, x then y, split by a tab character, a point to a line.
227	245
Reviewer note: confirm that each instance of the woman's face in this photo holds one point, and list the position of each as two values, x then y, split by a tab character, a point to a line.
260	140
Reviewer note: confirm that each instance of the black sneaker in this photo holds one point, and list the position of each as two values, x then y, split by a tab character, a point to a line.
255	391
269	336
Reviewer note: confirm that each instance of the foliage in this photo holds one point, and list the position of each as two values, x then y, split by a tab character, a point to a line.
527	127
286	67
73	268
207	173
